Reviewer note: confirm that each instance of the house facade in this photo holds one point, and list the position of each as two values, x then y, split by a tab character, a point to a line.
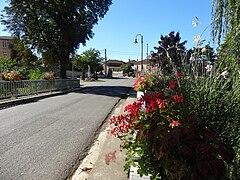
143	65
4	46
113	67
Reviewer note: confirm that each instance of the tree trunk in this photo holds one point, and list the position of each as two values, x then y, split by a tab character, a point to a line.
83	73
89	73
63	64
95	75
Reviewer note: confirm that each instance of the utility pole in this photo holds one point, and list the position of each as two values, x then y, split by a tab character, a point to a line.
105	52
147	57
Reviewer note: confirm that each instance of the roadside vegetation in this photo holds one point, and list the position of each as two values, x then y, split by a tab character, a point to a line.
52	29
186	125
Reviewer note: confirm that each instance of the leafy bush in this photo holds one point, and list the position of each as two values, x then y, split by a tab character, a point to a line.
172	132
151	81
48	76
216	104
35	74
7	64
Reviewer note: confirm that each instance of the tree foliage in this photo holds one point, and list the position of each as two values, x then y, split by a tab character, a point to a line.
81	64
229	50
55	27
226	27
201	58
170	50
91	57
22	54
127	68
6	64
225	18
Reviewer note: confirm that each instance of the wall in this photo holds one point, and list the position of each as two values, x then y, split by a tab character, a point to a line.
4	46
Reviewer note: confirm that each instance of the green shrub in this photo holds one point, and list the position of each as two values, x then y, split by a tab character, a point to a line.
48	75
206	141
35	74
7	64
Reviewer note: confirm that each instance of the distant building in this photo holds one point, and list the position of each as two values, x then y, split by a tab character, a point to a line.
112	66
138	65
4	46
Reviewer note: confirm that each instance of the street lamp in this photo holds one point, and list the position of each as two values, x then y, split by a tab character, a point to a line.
135	41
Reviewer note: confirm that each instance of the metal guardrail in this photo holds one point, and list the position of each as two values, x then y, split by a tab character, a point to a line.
10	89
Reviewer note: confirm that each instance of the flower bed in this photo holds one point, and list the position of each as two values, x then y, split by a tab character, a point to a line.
11	76
171	131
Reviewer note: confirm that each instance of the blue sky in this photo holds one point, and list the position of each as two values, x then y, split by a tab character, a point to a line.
151	18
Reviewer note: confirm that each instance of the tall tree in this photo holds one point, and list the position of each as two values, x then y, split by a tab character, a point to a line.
226	27
202	58
53	26
170	50
92	58
225	18
80	62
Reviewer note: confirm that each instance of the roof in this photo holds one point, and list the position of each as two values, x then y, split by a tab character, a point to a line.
145	61
114	61
6	37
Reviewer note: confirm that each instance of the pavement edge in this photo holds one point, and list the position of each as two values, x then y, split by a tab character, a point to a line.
95	155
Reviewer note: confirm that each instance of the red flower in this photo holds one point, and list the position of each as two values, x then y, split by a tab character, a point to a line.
153	101
124	123
177	99
175	123
154	67
161	103
133	109
178	74
172	84
137	83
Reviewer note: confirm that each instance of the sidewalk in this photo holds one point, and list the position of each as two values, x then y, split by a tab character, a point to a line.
105	161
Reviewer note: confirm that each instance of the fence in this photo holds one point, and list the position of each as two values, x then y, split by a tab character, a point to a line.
28	87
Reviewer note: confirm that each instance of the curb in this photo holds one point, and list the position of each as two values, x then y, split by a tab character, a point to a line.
94	165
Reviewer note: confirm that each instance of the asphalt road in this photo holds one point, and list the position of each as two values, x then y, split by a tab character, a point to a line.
46	139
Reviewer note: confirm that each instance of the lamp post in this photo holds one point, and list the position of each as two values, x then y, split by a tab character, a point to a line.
147	58
135	41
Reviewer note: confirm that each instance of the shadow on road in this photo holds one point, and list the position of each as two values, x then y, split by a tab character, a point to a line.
113	91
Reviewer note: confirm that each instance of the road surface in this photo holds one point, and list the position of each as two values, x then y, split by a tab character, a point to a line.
46	140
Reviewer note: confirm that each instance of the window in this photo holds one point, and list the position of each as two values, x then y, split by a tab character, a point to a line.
4	44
